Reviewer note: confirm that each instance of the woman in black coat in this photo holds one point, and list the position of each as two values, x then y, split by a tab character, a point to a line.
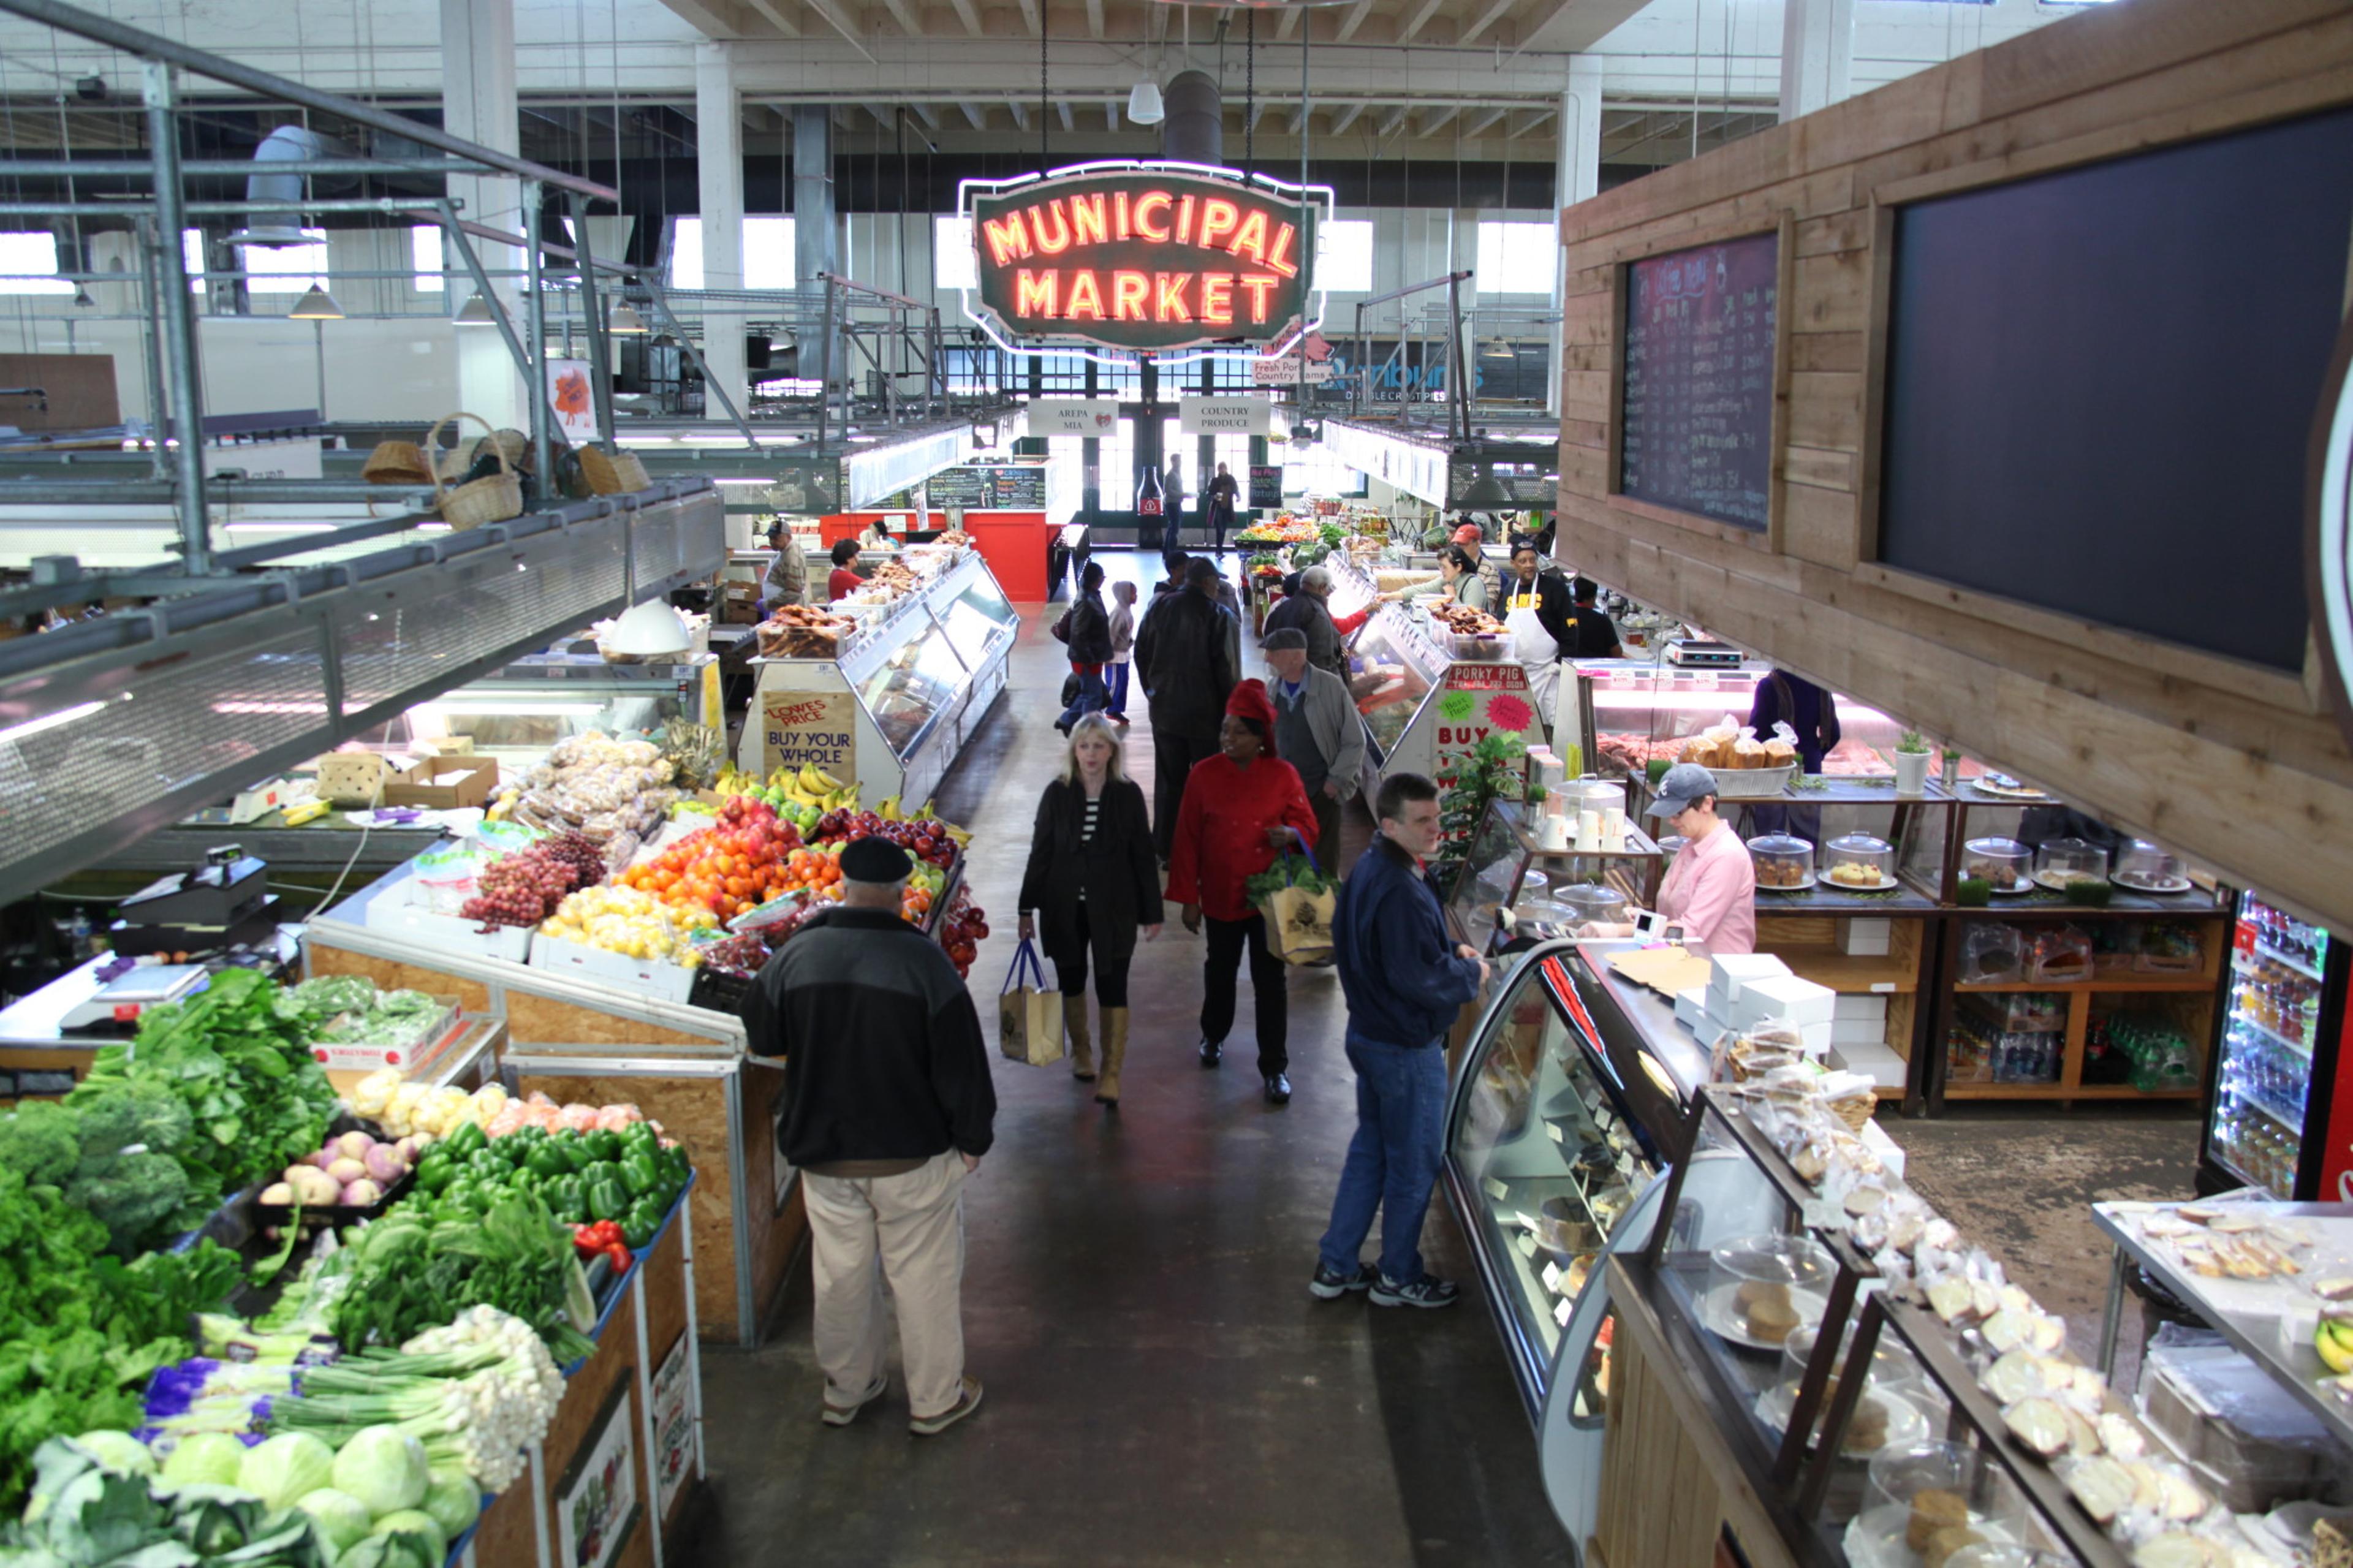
1086	628
1092	882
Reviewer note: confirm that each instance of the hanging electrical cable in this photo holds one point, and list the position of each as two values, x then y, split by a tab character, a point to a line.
1044	107
1249	94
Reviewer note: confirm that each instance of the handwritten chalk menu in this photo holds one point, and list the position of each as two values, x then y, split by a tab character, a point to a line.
1021	488
989	487
1696	411
967	489
1265	485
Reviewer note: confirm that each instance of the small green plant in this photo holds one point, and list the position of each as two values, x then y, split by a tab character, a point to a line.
1951	754
1656	768
1973	893
2092	892
1911	744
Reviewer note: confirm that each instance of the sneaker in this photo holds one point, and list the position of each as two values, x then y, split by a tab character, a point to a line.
1426	1291
1329	1286
843	1414
966	1402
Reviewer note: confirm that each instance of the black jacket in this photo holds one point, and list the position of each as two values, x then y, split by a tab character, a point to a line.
883	1049
1116	868
1184	657
1555	608
1311	616
1090	629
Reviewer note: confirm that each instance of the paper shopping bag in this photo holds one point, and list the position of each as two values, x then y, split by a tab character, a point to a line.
1299	924
1030	1016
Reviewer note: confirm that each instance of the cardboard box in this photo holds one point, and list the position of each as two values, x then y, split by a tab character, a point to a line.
1858	1032
644	976
1866	938
1729	972
346	1057
1859	1008
453	789
353	781
276	795
1784	999
400	909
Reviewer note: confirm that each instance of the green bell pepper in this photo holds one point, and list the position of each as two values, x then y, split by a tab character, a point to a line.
466	1140
488	1165
640	1135
607	1199
601	1144
565	1200
641	1224
435	1170
640	1173
465	1192
548	1160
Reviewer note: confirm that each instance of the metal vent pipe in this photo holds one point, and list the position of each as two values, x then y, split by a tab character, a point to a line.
1195	129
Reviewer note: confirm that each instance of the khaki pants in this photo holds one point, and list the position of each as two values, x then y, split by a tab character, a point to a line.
911	1229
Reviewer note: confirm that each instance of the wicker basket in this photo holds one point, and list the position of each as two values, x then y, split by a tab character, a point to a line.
470	505
613	473
397	463
513	444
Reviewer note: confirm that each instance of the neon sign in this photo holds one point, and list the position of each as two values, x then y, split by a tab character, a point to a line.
1143	257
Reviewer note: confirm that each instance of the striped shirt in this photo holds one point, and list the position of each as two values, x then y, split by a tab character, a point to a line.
1087	831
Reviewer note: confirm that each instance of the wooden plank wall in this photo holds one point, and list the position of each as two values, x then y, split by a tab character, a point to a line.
2239	767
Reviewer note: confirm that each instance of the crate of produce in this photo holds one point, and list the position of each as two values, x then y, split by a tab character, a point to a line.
393	1034
646	976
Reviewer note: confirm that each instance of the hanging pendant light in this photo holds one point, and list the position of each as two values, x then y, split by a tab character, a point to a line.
1486	493
315	305
1143	105
624	321
81	297
1498	349
476	313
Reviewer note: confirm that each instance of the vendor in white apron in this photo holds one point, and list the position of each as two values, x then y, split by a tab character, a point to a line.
1536	613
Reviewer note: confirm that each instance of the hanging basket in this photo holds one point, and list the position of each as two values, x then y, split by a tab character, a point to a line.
397	463
478	501
613	473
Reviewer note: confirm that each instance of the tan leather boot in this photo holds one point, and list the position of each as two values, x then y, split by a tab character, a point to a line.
1115	1031
1083	1050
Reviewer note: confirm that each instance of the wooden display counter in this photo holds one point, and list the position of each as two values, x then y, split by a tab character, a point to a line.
625	1448
577	1040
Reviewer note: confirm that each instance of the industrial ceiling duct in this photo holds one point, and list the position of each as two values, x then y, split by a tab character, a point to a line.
1195	130
288	143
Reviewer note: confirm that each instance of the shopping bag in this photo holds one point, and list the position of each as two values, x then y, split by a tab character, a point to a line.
1030	1016
1297	901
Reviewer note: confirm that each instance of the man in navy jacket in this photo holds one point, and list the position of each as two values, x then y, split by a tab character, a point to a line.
1405	984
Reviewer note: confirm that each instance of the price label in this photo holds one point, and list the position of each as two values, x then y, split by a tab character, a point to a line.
1552	1277
1553	1127
1561	1310
1495	1189
1882	985
1526	1243
1821	1213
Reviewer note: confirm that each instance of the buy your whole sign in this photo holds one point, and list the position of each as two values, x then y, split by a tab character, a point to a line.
1144	258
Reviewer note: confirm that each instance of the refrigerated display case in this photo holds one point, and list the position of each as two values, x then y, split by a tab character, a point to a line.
1559	1125
1393	667
1631	712
516	713
894	708
2278	1118
1427	697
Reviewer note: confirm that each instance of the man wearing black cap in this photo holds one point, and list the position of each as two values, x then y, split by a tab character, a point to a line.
888	1109
1316	730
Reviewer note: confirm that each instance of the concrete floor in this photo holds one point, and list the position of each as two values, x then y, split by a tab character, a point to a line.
1161	1388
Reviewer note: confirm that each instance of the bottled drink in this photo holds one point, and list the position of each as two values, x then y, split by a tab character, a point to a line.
1148	494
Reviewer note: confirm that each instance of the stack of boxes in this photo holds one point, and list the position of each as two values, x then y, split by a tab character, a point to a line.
1746	992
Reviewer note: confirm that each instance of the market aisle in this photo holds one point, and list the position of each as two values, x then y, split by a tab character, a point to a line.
1161	1389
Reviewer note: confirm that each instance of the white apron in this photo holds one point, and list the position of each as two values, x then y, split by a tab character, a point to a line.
1535	648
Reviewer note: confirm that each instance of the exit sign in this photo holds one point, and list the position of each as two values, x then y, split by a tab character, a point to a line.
1143	256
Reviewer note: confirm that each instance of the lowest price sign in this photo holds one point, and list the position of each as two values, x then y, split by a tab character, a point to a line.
819	727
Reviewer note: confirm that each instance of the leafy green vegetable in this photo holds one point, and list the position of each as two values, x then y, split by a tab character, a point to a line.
382	1466
85	1515
1287	871
410	1274
42	1141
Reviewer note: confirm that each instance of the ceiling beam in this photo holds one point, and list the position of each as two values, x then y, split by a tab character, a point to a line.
1029	14
773	10
1347	117
926	113
831	12
1483	122
1439	119
902	14
1413	28
1095	18
1110	115
1355	19
1494	13
1531	123
968	15
976	114
1299	119
1392	119
1289	23
1020	113
1257	113
1069	121
718	18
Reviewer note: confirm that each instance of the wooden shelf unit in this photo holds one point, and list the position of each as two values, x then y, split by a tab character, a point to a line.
1808	944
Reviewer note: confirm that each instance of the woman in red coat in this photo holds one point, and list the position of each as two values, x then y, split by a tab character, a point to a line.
1239	810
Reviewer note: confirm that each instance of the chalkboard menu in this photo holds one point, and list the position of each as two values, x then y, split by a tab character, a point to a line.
1266	485
1696	410
969	490
990	487
1021	488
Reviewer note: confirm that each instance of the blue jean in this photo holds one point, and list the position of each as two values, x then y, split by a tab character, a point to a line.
1393	1160
1118	687
1093	695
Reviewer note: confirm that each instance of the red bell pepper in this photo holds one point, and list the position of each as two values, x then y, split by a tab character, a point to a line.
595	1239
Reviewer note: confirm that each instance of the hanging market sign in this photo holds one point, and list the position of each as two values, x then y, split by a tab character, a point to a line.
1143	256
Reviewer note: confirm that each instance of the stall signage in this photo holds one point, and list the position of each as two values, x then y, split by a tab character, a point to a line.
568	393
1074	416
819	727
1144	257
1285	370
1224	415
673	1425
1479	701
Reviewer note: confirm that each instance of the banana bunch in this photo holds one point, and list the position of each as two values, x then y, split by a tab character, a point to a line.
2333	1337
811	785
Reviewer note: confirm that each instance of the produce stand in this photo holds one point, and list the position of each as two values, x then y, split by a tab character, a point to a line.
39	1056
892	710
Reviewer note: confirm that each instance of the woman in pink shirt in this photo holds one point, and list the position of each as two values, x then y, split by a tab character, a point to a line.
1710	890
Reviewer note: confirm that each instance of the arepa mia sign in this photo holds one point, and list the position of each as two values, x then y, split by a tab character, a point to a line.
1143	256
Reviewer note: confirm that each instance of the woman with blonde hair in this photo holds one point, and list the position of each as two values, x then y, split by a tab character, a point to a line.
1092	882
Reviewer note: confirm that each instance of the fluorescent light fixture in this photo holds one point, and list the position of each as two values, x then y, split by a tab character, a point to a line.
515	708
63	716
316	305
1143	105
475	312
624	321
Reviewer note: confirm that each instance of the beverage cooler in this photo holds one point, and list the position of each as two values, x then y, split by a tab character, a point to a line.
2280	1112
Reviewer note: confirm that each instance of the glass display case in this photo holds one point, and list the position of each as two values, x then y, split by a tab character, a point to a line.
894	709
516	713
1506	858
1634	711
1392	669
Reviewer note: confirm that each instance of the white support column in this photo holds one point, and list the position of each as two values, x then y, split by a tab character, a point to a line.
1578	179
719	167
477	96
1816	54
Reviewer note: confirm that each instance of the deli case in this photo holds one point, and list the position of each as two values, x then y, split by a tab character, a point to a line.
2280	1110
892	708
516	713
1631	712
1427	695
1559	1125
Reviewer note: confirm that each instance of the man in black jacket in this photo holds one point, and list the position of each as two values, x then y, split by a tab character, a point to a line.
888	1109
1185	657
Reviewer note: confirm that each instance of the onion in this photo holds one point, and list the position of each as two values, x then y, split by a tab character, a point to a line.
345	1171
278	1194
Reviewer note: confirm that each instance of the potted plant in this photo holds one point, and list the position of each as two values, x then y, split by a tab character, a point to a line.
1912	756
1952	760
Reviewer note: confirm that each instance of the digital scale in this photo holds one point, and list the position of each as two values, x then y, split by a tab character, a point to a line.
223	903
118	1004
1693	654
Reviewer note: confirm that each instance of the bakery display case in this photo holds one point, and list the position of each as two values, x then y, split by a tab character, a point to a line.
1556	1133
517	713
1859	863
1393	667
1784	863
1508	877
2060	862
2283	1099
1630	712
2004	864
894	706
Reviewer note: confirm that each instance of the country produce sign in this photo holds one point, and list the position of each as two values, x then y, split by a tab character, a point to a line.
1144	258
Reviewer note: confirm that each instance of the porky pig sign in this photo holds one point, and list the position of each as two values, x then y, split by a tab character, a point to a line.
1479	701
819	727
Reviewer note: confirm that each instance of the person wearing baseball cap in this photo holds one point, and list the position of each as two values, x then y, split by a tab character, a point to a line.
1241	808
1710	893
888	1109
1318	731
